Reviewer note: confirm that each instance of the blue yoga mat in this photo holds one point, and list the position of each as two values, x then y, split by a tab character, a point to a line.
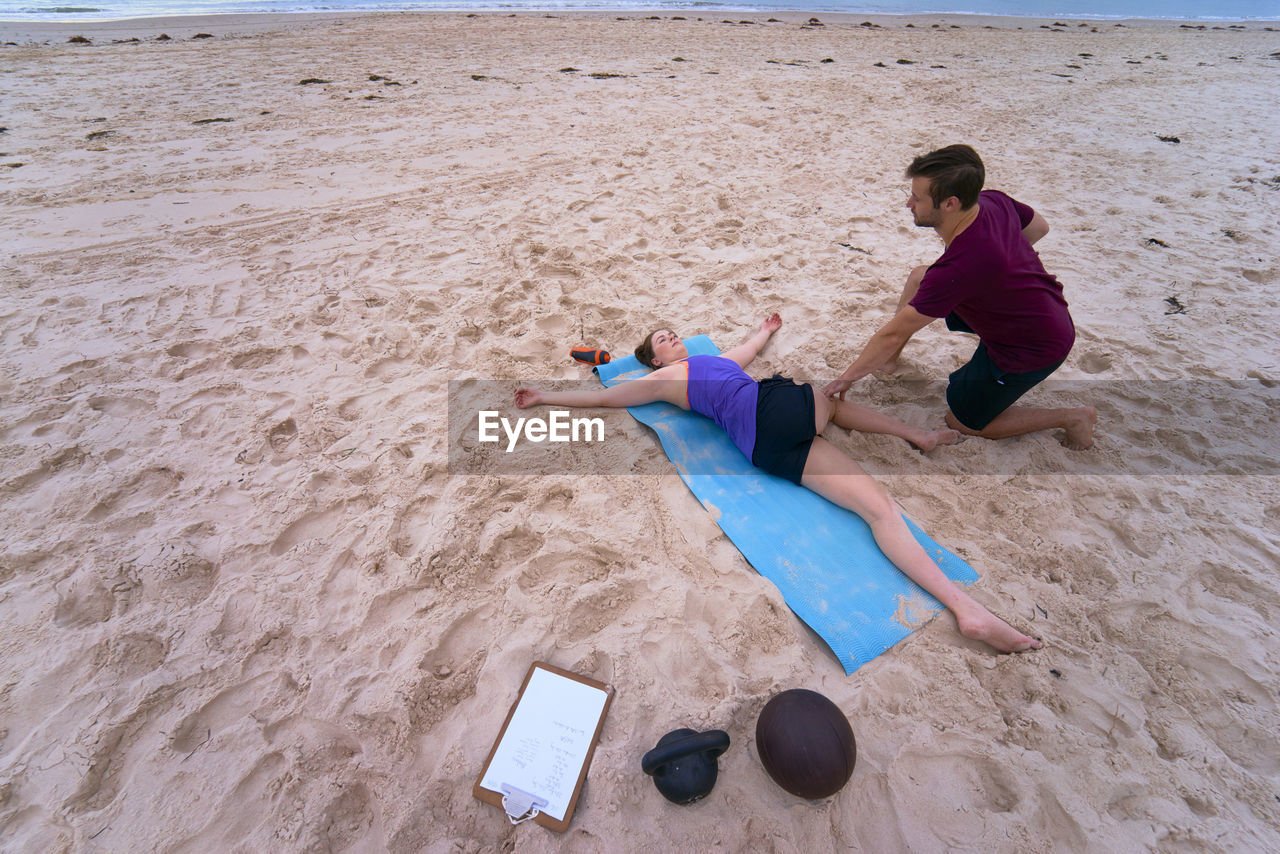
821	557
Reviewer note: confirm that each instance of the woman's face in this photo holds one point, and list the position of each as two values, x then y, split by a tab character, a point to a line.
667	348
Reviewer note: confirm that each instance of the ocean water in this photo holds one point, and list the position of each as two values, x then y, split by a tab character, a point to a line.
1200	10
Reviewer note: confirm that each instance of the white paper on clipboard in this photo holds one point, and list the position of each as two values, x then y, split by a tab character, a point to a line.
547	741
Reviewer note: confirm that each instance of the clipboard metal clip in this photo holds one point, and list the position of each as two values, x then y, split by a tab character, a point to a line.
520	805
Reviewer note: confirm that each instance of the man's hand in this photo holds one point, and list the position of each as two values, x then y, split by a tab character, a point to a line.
882	350
836	388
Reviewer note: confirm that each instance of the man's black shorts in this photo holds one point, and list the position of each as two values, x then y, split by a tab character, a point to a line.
980	391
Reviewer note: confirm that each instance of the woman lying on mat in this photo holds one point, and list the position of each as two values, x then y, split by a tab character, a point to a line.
776	423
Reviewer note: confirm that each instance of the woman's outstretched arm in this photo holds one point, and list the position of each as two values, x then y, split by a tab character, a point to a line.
669	384
745	352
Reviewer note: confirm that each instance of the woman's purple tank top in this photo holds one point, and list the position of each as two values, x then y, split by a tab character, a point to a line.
722	391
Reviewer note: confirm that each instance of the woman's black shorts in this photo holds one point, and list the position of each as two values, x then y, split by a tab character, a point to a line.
784	427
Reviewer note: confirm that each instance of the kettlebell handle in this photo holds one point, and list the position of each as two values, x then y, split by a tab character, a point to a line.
713	742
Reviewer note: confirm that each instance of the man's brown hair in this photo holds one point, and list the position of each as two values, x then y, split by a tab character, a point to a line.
956	170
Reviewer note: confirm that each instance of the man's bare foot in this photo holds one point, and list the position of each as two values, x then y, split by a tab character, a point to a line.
982	625
1080	428
927	440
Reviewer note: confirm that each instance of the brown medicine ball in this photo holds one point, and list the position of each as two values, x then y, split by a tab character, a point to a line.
805	743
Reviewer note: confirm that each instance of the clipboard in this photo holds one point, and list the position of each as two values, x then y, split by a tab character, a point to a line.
539	761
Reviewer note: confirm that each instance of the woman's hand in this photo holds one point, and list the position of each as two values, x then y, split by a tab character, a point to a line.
526	397
749	349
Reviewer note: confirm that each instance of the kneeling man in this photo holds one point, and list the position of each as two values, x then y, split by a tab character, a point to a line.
989	282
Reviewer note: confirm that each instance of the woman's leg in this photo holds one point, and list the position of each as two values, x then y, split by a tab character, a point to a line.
851	416
842	481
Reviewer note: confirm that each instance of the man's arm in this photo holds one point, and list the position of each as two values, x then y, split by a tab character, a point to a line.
881	348
1035	229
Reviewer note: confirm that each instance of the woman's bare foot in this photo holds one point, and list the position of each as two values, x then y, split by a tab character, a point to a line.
1080	428
982	625
927	440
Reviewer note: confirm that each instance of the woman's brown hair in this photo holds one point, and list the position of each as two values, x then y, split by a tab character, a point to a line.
644	353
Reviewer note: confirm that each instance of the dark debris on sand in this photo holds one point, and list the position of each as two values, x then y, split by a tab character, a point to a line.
853	248
1175	305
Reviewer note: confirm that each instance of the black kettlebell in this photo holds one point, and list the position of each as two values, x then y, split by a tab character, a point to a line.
683	765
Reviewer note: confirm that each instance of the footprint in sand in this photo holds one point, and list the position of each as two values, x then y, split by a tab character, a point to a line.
84	604
139	495
229	708
310	526
385	370
191	349
347	821
120	407
180	577
1095	363
256	358
129	656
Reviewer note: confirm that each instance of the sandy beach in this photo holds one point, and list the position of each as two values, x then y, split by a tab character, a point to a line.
256	596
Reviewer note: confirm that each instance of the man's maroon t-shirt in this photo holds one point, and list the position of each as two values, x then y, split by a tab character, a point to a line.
993	280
